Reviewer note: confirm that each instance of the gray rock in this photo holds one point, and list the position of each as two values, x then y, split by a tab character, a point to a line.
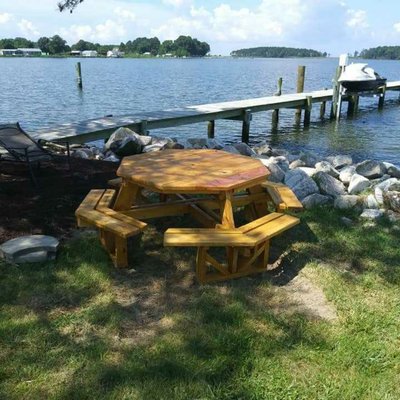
346	173
157	145
121	135
144	140
244	149
371	169
82	153
263	149
315	200
301	184
126	147
282	162
279	152
111	158
325	166
393	216
308	170
310	159
277	175
372	214
230	149
371	202
346	201
340	161
329	185
29	248
296	164
392	200
347	221
358	183
384	186
392	170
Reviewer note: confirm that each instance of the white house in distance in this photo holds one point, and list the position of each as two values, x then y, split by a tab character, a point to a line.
21	52
115	53
89	53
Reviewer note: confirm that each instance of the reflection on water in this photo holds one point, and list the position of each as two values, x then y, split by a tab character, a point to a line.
41	92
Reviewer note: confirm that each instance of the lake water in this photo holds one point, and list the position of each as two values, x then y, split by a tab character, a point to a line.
40	91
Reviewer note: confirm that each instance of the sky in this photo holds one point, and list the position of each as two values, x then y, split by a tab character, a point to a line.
334	26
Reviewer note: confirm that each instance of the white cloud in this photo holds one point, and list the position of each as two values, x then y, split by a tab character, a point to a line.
125	14
176	3
109	30
27	28
357	19
5	17
396	27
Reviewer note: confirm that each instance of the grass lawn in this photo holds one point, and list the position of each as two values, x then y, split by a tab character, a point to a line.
79	329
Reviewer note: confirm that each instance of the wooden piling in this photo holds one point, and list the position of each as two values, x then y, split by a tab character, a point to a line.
275	113
143	127
307	111
211	129
352	105
246	125
79	75
301	73
335	96
382	97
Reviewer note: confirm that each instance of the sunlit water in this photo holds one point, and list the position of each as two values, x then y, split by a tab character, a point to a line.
38	92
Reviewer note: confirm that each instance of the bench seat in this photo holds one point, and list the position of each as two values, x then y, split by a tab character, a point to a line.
282	196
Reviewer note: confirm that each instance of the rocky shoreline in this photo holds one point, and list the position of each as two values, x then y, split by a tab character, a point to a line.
370	187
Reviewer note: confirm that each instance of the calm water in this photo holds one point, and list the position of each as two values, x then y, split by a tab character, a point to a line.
39	92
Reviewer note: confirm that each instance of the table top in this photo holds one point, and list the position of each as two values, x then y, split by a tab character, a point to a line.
192	171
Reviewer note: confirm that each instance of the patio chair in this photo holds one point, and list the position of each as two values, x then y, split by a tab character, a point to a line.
21	147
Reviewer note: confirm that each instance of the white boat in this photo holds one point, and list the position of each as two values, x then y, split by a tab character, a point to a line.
359	77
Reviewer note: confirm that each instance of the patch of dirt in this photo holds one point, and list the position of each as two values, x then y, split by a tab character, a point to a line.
48	209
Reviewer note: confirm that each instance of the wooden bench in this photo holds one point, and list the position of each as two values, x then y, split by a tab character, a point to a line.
247	246
115	228
282	196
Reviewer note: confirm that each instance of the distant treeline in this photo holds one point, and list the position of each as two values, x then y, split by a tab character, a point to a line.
277	52
56	45
381	52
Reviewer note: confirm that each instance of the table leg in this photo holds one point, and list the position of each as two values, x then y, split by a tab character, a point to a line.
127	196
227	220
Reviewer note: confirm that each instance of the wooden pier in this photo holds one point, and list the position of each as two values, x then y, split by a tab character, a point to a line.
241	110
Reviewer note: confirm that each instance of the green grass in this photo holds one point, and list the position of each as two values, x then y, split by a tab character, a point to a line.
78	329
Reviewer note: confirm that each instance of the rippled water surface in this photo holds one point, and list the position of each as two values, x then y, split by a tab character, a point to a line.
40	91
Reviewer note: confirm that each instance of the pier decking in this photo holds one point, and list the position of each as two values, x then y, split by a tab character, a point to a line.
101	128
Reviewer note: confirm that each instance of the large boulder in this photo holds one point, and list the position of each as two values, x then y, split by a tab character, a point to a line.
276	173
309	158
340	161
392	200
392	170
358	183
263	149
296	164
346	201
325	166
389	184
371	202
124	142
244	149
371	169
346	173
308	170
329	185
230	149
301	184
372	214
316	200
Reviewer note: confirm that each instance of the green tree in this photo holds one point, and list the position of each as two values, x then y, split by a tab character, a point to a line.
68	4
57	45
20	42
7	44
44	44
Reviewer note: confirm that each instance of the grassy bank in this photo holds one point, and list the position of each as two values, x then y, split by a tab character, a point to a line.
78	329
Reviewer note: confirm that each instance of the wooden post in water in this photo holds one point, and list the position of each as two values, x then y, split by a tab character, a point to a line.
322	108
335	95
275	113
307	111
143	127
246	125
79	74
382	97
301	73
211	129
352	104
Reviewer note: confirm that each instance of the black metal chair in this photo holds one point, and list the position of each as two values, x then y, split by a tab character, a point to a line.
21	147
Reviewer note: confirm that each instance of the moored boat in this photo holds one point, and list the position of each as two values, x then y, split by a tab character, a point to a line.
359	77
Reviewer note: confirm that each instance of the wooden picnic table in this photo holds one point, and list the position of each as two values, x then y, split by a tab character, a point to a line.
208	185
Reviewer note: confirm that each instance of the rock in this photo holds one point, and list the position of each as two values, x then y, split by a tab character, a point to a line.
296	164
301	184
119	136
32	248
340	161
315	200
277	175
279	152
282	162
329	185
144	140
203	143
126	147
372	214
309	171
263	149
244	149
392	170
384	186
325	166
371	169
392	200
346	201
347	221
111	158
160	144
371	202
81	153
230	149
310	159
178	146
393	216
358	183
214	144
346	173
